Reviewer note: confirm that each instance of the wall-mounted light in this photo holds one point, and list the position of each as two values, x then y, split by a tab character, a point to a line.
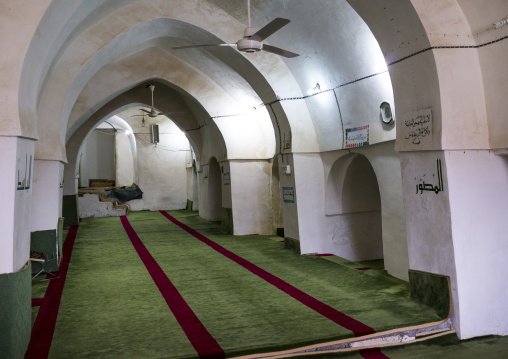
314	90
386	113
155	134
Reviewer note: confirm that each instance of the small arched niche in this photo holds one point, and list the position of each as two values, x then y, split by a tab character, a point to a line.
353	208
352	186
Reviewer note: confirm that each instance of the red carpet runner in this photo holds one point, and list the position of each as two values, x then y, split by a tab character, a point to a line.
202	341
334	315
44	327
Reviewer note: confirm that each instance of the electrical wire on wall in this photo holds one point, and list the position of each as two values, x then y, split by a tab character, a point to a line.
341	121
159	146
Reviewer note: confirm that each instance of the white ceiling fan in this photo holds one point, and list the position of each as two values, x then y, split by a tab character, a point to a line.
252	40
152	112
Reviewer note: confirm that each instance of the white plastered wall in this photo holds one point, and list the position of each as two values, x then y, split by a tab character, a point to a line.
16	173
126	159
99	160
428	218
316	229
479	239
250	193
47	192
161	167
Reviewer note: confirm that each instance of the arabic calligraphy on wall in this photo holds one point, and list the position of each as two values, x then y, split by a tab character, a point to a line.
437	184
417	128
357	136
288	194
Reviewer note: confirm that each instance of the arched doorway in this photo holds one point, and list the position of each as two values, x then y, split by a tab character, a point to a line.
353	205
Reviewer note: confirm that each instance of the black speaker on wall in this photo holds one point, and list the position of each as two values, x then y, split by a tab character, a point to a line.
155	133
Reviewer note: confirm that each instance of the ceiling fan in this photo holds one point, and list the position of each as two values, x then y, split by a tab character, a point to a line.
252	40
152	112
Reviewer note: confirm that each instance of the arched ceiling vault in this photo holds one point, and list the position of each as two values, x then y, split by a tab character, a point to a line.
207	141
85	40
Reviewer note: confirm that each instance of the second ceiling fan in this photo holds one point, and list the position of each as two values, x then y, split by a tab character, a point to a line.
252	40
152	113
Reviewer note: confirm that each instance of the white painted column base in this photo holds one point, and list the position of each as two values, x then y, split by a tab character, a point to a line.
460	231
16	169
47	194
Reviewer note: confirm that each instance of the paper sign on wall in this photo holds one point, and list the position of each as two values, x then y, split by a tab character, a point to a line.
288	194
357	136
226	178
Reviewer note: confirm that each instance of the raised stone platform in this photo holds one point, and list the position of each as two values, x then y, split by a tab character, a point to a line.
90	205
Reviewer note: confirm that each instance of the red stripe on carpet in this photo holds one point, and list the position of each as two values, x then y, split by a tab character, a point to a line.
343	320
364	268
36	302
44	327
205	345
374	353
324	255
333	314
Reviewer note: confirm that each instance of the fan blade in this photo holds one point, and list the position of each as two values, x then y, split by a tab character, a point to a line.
142	109
205	45
167	113
279	51
270	28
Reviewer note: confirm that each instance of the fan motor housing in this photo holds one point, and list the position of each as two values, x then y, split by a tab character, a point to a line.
248	45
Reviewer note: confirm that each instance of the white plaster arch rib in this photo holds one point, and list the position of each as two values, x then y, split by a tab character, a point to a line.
61	23
352	186
431	78
18	26
248	136
336	47
91	51
132	97
166	97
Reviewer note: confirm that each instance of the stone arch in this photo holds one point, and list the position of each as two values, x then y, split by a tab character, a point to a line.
134	97
353	204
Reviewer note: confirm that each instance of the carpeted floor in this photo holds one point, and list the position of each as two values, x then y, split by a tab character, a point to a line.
113	305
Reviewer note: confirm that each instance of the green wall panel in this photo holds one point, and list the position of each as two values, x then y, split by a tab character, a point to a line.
431	290
70	210
15	313
293	244
227	220
46	242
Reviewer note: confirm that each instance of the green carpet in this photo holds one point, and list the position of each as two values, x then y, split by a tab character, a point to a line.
111	307
384	300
